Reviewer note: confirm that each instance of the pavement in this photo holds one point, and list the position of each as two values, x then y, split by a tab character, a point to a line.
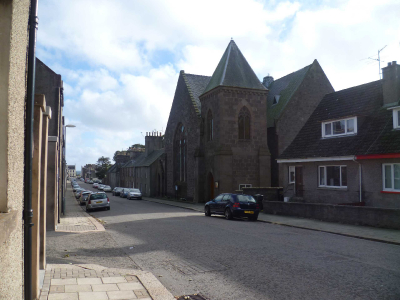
92	281
391	236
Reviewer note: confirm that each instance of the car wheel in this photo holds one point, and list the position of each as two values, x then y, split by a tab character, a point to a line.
228	214
207	211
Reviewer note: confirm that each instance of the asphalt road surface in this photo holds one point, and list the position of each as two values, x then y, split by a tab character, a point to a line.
240	259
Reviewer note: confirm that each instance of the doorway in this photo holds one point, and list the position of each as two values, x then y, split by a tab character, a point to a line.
210	187
299	182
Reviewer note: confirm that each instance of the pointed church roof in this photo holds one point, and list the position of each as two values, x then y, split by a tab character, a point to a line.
233	70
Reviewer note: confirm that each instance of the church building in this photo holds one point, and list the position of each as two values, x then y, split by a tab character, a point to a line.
216	138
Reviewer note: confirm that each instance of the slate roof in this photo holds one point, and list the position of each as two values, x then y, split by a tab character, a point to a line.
196	85
375	126
285	88
234	70
112	168
144	161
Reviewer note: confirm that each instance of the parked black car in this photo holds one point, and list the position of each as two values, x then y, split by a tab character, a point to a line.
233	206
116	191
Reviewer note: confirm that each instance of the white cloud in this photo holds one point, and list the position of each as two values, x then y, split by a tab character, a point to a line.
120	59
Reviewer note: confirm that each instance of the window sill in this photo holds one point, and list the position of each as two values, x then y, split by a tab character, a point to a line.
390	192
8	222
331	188
338	136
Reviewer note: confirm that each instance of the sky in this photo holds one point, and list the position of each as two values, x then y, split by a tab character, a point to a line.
120	60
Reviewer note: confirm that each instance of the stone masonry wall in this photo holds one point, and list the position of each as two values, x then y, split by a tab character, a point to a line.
225	104
182	111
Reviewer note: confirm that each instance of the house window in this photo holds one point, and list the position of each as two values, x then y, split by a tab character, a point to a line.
244	124
210	126
244	185
391	177
332	176
292	173
396	118
339	127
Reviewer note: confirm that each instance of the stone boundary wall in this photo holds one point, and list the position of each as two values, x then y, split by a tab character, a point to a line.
269	193
356	215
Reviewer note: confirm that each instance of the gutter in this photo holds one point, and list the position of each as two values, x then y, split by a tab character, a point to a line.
30	98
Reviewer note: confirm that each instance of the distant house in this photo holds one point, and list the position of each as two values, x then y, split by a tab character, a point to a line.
349	149
71	170
149	168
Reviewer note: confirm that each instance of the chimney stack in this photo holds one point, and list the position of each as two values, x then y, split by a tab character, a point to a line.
267	81
391	83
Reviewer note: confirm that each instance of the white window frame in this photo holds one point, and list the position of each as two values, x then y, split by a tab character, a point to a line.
292	169
244	185
392	189
396	120
324	135
325	177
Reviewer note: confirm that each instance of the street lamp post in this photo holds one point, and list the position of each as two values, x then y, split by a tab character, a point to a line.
65	165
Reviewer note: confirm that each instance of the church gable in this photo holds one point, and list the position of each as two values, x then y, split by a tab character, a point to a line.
196	85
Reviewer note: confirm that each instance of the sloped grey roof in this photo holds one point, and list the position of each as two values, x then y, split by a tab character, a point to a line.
285	88
150	159
375	133
196	85
112	168
139	160
234	70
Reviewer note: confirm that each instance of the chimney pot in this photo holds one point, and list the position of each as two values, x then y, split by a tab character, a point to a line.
394	62
389	64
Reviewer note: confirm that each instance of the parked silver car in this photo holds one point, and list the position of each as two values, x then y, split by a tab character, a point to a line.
107	188
84	197
97	200
134	194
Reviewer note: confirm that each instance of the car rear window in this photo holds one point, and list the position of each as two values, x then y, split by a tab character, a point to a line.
98	196
245	198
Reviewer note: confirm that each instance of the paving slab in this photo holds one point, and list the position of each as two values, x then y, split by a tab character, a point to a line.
121	295
101	283
93	296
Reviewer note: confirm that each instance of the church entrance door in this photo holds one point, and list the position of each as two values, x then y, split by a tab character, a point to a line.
210	187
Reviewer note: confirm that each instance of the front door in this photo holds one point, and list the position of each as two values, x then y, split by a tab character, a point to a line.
210	187
299	181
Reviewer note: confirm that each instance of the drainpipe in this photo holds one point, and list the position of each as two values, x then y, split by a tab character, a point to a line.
359	175
30	98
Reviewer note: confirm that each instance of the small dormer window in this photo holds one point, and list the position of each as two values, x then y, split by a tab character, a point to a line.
276	99
339	127
396	118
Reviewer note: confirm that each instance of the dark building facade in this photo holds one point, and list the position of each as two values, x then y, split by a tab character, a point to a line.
216	138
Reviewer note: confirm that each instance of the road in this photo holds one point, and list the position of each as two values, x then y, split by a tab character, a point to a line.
239	259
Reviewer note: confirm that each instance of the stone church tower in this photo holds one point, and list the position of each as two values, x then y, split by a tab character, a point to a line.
233	146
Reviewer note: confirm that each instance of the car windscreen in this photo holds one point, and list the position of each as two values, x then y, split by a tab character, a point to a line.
98	196
135	190
245	198
118	189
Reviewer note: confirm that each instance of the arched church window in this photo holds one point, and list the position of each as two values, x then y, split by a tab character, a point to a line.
180	149
210	126
244	124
